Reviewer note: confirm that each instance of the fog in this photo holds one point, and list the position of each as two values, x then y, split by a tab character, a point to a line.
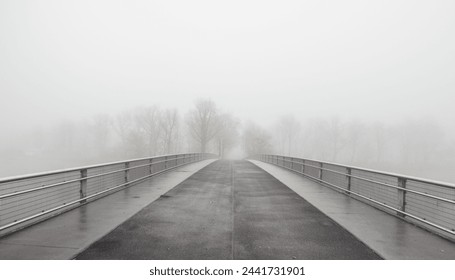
356	82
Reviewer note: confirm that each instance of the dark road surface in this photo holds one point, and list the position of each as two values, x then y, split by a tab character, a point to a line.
229	210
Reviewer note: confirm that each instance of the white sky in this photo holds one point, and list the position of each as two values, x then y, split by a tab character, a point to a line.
374	60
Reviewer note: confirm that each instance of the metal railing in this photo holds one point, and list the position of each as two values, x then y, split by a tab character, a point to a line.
426	203
28	199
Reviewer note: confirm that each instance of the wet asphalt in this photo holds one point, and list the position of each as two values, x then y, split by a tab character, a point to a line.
229	210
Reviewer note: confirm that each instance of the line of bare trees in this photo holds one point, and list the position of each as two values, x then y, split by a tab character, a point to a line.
414	146
419	147
150	131
138	132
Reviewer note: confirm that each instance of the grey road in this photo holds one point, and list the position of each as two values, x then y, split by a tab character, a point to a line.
229	210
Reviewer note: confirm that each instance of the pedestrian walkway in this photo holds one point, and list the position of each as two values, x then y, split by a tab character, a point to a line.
66	235
387	235
229	210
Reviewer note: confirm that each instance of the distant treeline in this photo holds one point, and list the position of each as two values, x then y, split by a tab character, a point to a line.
418	147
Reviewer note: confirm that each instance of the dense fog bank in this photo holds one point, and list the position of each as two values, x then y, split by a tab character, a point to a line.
419	147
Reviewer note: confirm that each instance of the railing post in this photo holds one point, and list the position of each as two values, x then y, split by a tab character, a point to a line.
401	196
83	187
303	166
320	171
292	163
165	162
151	165
127	172
348	180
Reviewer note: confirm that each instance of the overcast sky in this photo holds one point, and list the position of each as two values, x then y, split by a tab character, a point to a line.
374	60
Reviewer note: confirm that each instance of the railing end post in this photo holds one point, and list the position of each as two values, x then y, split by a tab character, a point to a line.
127	172
401	196
348	180
320	171
83	186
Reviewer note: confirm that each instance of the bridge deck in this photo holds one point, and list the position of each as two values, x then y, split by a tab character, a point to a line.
387	235
229	210
64	236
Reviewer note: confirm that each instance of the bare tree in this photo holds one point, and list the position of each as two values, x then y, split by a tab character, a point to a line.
228	133
64	139
354	133
288	129
256	140
336	136
148	121
169	126
123	125
100	130
380	137
419	139
317	138
131	142
203	123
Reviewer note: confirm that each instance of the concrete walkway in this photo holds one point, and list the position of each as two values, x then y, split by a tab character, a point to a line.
229	210
390	237
66	235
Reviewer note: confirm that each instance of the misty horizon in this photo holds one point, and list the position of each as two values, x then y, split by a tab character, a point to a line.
352	69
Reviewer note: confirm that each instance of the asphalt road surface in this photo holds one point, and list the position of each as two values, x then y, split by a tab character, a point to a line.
229	210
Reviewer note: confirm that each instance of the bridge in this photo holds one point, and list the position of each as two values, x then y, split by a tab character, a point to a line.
196	206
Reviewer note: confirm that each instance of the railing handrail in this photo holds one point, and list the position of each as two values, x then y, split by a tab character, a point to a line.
72	169
82	189
401	203
371	181
85	178
408	177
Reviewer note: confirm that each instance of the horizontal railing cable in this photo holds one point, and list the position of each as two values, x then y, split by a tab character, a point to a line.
25	200
75	180
438	216
377	182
